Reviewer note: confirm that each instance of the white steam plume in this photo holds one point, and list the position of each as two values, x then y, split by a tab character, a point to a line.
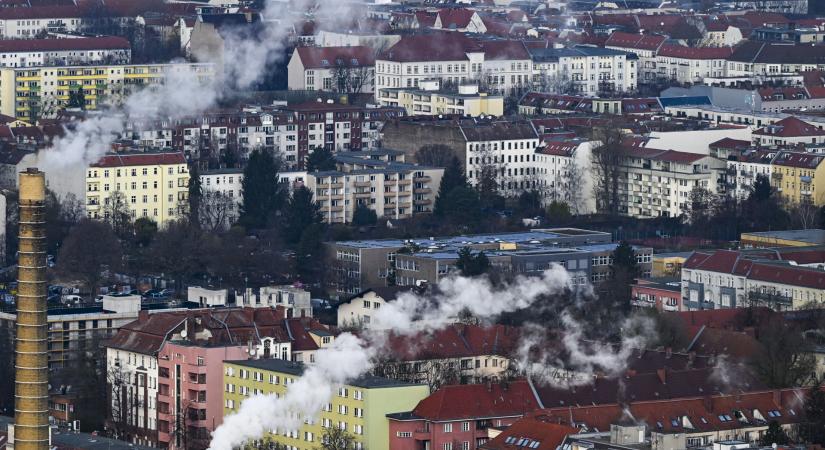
350	357
246	57
575	360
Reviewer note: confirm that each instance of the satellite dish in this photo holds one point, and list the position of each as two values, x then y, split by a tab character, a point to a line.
183	333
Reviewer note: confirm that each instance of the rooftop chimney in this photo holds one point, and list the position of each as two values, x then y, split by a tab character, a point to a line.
31	386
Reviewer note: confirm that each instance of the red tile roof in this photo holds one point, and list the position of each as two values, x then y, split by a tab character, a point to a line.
531	432
729	143
140	159
678	51
477	401
634	41
455	17
44	45
327	57
41	12
498	50
431	47
790	127
455	341
800	160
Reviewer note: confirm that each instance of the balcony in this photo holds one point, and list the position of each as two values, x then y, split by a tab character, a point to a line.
422	191
424	201
699	305
776	176
361	184
421	435
423	179
769	298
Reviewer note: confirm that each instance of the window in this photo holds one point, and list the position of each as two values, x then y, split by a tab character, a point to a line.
465	426
448	428
404	434
448	446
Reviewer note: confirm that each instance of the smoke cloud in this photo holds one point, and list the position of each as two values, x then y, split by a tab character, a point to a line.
351	356
182	92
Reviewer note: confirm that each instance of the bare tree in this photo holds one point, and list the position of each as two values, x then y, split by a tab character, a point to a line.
351	79
116	212
804	213
607	160
571	185
217	211
117	381
556	82
337	438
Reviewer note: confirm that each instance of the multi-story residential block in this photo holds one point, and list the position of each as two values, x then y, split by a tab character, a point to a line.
360	265
356	311
429	99
664	294
783	279
789	131
67	52
27	22
585	69
74	330
744	169
142	406
360	407
796	176
504	67
379	180
658	183
691	64
35	92
724	421
503	148
151	185
440	422
349	70
189	399
339	127
767	60
642	45
222	189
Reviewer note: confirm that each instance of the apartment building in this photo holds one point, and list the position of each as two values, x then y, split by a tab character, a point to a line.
663	294
744	169
459	19
587	70
783	279
189	399
75	330
27	22
440	424
658	183
349	70
66	52
378	179
690	65
429	99
766	60
142	372
587	263
723	421
339	127
359	265
795	177
151	185
789	131
505	66
644	46
222	188
360	407
34	92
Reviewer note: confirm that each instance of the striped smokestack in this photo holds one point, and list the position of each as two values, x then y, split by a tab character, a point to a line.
31	386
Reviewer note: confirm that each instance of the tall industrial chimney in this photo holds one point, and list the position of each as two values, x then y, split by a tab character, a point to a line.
31	386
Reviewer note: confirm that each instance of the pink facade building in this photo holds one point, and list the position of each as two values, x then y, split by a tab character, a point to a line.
190	392
457	417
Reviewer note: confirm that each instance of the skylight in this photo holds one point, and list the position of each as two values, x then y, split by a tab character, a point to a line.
725	418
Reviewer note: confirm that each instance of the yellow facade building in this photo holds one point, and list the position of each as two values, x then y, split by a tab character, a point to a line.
360	407
152	185
33	92
795	176
429	99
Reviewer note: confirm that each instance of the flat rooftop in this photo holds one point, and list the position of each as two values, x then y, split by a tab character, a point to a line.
546	235
811	236
297	369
